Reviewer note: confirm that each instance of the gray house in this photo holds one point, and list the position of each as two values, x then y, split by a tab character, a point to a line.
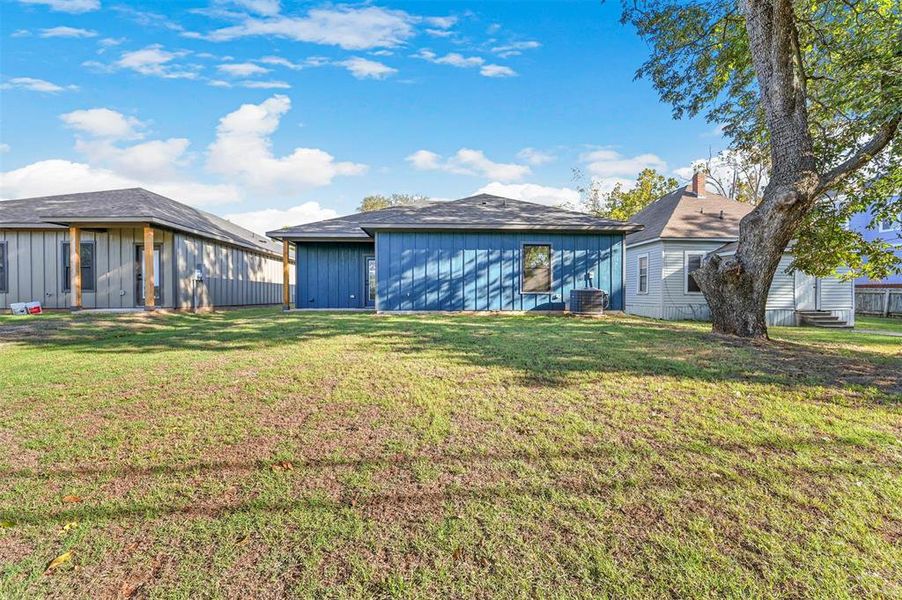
686	225
132	248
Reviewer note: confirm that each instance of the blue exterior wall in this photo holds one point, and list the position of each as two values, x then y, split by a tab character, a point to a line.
331	274
861	223
481	271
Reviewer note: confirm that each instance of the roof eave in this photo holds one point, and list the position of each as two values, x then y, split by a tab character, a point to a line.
64	220
618	228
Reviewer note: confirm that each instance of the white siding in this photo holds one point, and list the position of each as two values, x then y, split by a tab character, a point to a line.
669	300
646	305
677	303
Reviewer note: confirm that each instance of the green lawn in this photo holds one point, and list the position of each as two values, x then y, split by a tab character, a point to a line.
252	453
891	324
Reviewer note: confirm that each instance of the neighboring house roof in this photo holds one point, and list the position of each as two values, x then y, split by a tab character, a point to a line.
132	205
682	214
481	212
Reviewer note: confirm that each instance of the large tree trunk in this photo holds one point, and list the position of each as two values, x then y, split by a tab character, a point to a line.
736	287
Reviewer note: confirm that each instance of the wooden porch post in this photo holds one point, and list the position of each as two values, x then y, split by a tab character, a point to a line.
149	275
286	276
75	268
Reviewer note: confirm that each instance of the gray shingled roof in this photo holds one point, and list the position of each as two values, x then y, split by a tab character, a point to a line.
682	214
484	212
133	205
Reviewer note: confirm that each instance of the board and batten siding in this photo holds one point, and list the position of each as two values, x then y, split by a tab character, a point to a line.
35	263
646	305
232	276
331	274
452	271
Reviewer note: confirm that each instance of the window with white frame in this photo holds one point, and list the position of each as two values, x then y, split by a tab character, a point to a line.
642	274
536	273
692	261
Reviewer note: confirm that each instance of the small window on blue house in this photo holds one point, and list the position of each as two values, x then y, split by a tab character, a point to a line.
536	276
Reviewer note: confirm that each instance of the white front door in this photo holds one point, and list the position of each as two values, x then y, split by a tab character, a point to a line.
806	291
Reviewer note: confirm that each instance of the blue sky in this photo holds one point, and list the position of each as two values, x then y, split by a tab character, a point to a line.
276	113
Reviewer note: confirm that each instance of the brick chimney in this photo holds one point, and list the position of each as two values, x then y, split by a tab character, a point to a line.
698	184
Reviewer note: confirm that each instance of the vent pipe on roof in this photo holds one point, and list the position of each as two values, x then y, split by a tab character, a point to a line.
721	214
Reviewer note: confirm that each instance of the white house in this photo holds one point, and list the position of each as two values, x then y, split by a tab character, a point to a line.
683	227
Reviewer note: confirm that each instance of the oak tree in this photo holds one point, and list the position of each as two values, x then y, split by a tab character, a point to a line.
817	84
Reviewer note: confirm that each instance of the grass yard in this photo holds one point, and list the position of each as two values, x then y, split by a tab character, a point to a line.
257	454
890	324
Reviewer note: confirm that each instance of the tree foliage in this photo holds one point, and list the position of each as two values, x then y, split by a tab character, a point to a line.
379	201
849	63
622	204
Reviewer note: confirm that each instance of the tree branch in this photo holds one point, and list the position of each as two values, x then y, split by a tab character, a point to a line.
864	154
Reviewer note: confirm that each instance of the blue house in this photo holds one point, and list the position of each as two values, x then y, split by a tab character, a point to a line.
887	230
482	253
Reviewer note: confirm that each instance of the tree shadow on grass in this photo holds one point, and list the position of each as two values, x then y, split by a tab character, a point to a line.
413	494
544	350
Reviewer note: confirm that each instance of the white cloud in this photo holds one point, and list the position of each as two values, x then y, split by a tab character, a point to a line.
154	60
424	160
363	68
531	192
103	122
497	71
269	219
271	84
610	163
35	85
468	162
535	157
242	151
442	33
156	160
453	59
69	6
67	32
347	27
51	177
107	43
514	48
242	69
20	33
267	8
4	148
441	22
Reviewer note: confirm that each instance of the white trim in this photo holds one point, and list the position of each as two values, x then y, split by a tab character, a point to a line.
550	266
639	258
686	255
682	239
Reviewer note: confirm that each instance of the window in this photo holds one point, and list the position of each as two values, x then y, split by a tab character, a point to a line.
4	269
693	261
536	275
642	265
87	267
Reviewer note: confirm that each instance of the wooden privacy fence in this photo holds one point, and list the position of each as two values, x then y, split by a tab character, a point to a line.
887	302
